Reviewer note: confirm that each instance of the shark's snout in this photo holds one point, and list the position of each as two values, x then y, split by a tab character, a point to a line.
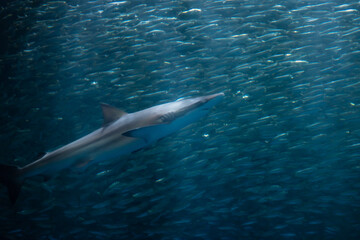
213	99
216	95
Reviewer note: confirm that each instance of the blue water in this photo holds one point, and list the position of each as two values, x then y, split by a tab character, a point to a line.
278	158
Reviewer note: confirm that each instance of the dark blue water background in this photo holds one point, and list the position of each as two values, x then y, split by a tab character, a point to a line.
279	158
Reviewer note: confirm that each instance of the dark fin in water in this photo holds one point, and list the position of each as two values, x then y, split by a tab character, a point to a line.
9	176
144	133
83	163
46	177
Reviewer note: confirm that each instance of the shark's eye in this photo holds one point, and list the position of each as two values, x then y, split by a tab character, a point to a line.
167	117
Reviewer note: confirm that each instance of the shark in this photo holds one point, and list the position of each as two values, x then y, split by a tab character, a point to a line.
122	133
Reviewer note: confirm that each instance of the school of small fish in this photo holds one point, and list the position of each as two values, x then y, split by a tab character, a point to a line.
279	158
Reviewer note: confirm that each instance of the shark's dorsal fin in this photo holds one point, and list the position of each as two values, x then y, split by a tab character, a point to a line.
111	113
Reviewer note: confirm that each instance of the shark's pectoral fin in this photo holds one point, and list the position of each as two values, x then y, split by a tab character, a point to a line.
83	163
145	133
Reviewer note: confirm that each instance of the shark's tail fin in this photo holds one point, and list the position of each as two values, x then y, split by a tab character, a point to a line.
10	176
